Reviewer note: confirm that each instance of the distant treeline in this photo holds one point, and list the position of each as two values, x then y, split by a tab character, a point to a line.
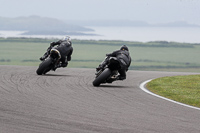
4	60
138	44
105	42
158	67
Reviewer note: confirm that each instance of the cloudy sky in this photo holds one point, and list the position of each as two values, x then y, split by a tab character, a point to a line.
152	11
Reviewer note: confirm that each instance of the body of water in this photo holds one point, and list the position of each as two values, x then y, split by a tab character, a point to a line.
141	34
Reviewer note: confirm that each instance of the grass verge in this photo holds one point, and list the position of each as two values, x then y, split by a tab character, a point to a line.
184	89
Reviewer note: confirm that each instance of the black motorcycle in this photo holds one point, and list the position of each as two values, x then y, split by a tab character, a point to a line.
109	73
50	62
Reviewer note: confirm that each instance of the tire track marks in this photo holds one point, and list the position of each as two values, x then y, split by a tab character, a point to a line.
66	101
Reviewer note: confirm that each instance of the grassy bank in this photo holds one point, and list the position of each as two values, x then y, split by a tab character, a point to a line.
184	89
160	55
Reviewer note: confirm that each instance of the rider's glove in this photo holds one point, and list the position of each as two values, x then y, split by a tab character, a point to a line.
52	44
107	54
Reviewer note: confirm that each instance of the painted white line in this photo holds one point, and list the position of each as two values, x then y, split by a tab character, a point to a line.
142	86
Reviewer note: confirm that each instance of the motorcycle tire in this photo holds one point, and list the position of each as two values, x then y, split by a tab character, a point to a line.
102	77
44	67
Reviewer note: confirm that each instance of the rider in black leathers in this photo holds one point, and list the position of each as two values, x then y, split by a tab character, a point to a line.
124	58
64	47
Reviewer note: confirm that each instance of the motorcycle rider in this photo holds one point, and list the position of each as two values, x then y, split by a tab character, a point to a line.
123	57
65	48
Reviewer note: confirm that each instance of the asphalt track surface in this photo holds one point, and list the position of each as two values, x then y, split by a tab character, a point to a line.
65	101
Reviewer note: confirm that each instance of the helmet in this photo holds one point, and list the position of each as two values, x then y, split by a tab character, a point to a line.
124	47
67	38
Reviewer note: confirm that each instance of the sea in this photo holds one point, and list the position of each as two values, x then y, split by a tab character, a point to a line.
140	34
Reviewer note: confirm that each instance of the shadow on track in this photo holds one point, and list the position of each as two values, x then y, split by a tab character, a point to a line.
59	75
113	86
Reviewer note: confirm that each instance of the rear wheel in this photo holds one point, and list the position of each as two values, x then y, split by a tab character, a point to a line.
102	77
44	67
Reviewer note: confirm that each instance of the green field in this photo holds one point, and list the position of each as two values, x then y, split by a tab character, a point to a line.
159	56
184	89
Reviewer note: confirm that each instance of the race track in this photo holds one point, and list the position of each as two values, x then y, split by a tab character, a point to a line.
66	102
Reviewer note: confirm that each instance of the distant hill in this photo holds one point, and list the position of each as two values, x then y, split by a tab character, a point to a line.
36	25
129	23
176	24
40	25
111	23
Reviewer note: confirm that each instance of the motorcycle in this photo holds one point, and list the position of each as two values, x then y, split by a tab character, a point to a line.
50	62
109	73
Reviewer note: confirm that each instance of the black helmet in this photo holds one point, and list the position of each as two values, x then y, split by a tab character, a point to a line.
124	47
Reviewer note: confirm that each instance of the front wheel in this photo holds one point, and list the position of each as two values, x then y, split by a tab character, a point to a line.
44	67
102	77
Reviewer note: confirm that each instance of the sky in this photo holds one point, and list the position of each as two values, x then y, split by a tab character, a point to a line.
151	11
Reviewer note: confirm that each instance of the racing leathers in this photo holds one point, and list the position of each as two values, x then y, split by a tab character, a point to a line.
65	48
124	58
